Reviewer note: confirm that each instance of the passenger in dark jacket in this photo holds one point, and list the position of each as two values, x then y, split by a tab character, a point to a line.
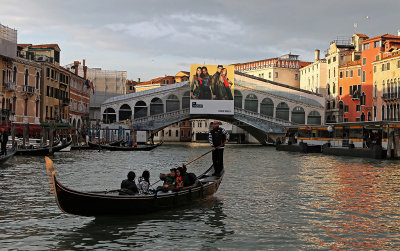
128	186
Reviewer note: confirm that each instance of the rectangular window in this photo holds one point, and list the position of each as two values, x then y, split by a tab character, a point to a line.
37	108
351	90
329	61
47	111
374	68
48	72
363	76
334	59
359	72
383	67
276	75
340	90
377	44
48	91
346	120
26	108
358	108
364	61
351	73
51	112
296	76
347	74
375	91
377	57
398	64
341	74
346	108
388	66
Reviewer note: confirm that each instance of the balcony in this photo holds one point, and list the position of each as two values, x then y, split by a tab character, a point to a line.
65	101
30	90
390	96
10	86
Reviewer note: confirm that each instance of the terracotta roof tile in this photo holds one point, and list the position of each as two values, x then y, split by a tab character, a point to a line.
390	36
361	35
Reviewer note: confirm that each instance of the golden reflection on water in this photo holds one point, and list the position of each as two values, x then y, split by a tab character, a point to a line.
358	199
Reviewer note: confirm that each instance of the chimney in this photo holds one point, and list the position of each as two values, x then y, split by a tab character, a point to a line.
316	58
84	69
138	80
76	67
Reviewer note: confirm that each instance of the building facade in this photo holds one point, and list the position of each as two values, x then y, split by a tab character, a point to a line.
313	77
154	83
375	49
107	84
350	98
284	69
20	91
79	101
341	51
386	90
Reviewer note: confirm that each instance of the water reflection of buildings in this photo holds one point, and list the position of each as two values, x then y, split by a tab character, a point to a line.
356	209
152	231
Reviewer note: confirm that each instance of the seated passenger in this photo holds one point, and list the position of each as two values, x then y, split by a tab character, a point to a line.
189	179
178	178
144	183
128	186
168	178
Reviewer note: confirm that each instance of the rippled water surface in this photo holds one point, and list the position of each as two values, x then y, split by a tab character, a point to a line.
267	200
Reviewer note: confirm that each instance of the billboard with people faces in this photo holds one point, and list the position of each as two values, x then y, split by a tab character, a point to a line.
211	89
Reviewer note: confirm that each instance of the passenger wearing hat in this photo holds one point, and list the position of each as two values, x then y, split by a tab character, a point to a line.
218	137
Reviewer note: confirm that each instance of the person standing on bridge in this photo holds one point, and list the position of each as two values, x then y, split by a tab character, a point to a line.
205	85
218	137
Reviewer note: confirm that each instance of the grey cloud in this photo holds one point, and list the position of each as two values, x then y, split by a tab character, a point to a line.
131	34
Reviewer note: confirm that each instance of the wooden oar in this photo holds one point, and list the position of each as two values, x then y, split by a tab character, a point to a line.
198	157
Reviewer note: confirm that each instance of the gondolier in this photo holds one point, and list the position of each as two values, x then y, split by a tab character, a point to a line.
218	137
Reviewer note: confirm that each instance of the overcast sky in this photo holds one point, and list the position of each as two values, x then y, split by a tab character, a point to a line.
153	38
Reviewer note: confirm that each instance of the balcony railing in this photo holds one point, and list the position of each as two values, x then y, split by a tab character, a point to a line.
28	89
10	86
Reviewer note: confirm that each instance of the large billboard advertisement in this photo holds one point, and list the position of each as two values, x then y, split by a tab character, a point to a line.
211	89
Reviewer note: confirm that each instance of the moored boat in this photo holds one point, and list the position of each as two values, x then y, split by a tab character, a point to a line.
11	152
129	148
42	151
112	203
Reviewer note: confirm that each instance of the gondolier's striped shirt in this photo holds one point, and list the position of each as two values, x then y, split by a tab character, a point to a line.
210	139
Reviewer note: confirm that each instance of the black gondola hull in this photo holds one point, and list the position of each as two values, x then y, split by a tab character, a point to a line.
10	153
103	203
42	151
127	148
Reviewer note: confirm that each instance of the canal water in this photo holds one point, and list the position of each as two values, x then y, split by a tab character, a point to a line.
268	200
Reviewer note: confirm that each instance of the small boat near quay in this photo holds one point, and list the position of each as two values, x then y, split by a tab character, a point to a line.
42	151
129	148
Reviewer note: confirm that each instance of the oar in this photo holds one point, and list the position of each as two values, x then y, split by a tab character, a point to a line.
198	157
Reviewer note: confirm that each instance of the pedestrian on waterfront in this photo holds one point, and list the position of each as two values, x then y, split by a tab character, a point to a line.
144	183
205	86
196	82
128	186
218	137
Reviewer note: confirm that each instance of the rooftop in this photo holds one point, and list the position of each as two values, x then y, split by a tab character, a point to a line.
387	36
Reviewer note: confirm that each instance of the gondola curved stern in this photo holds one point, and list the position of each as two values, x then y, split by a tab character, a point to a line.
53	184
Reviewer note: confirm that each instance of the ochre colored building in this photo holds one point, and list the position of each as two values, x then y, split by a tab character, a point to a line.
20	94
154	83
182	76
386	90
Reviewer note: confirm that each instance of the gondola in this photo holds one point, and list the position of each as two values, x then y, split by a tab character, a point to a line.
11	152
113	204
42	151
97	146
129	148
